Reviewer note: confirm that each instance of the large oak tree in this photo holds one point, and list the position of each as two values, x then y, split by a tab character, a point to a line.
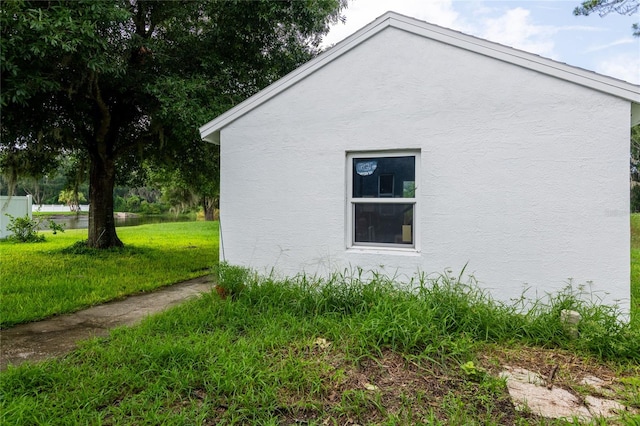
123	80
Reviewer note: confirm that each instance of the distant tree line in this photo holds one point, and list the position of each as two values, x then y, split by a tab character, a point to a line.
56	188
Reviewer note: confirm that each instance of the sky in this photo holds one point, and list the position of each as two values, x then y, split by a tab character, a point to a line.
544	27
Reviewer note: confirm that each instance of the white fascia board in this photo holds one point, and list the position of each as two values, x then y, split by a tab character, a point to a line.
210	132
619	88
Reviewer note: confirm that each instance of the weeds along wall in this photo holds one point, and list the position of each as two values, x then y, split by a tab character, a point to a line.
16	207
523	175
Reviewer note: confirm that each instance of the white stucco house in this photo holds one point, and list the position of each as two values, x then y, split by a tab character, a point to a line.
410	148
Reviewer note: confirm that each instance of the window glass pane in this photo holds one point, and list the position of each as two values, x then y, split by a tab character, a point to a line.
392	177
388	223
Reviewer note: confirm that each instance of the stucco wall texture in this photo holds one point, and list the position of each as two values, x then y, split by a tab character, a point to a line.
523	176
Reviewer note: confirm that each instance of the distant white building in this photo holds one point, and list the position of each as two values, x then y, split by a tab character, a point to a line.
13	206
410	147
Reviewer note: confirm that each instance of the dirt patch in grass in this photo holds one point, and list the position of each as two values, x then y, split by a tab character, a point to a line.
414	390
392	386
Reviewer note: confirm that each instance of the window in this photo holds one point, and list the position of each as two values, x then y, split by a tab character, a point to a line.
381	197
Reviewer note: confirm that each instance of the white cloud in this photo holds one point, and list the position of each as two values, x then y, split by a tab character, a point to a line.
624	66
614	43
361	12
515	28
534	27
438	12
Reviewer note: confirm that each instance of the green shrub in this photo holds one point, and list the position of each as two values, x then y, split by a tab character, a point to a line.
133	203
119	204
635	199
25	229
153	208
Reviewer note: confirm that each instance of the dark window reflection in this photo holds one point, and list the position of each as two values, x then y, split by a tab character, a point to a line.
387	223
380	177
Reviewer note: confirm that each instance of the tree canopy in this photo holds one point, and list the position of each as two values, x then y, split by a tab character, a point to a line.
124	81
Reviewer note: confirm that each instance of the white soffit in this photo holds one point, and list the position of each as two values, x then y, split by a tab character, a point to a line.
210	132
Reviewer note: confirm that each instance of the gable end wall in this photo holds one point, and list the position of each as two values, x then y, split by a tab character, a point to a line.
524	176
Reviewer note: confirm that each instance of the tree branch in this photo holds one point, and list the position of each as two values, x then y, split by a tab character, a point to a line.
604	7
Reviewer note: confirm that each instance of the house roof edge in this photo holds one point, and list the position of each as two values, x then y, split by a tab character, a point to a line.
293	77
210	132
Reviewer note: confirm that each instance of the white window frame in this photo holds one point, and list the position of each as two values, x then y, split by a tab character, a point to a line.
351	244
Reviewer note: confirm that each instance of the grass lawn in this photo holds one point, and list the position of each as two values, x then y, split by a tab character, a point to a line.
344	352
337	352
40	280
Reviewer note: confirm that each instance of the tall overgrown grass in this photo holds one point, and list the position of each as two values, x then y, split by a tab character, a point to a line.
439	314
309	351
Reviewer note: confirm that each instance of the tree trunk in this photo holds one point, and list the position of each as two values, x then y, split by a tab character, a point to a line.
37	196
102	225
209	206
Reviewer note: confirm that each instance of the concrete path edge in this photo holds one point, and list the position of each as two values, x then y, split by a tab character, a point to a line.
57	336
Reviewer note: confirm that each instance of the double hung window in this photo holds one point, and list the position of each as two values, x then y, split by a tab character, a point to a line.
381	195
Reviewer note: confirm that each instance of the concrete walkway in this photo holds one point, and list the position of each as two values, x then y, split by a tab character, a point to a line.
57	336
